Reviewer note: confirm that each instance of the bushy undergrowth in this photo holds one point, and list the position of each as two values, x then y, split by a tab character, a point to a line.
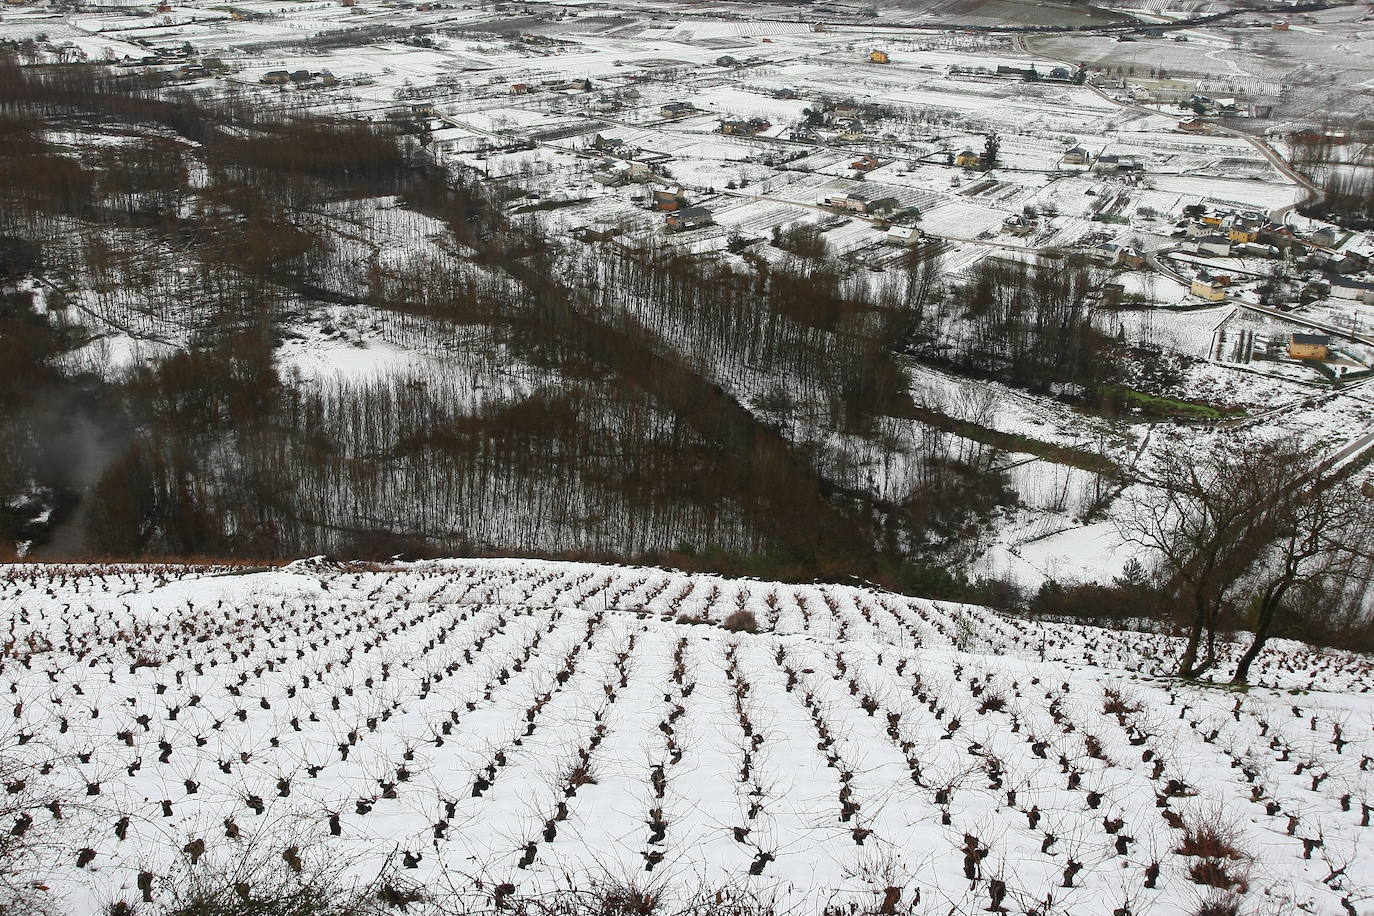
607	896
259	886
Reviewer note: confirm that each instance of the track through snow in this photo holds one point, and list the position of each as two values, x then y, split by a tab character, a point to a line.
537	722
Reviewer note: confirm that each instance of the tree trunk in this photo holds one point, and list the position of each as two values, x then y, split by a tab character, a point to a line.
1263	623
1189	659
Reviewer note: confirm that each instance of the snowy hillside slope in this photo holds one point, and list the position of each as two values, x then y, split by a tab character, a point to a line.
481	722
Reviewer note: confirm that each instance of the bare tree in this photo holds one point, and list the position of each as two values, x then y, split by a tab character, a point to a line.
1208	518
1323	538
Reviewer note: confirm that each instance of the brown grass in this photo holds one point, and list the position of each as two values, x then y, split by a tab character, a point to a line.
1214	873
689	620
1220	905
1208	837
741	622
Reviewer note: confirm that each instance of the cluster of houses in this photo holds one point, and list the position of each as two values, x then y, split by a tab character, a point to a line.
1229	233
744	128
874	202
1224	233
622	164
1118	163
1184	93
845	119
1111	163
677	110
185	60
1219	107
1031	73
678	214
190	70
1028	72
554	85
1243	235
869	202
321	78
1160	91
1319	136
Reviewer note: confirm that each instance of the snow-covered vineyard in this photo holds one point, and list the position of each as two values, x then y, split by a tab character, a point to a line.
498	728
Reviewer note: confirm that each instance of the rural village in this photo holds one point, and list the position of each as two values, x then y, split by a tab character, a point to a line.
648	458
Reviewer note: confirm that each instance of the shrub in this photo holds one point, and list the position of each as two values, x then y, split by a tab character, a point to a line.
1213	873
1114	703
741	622
18	257
935	582
263	884
1208	837
1096	603
690	620
615	897
1220	905
579	774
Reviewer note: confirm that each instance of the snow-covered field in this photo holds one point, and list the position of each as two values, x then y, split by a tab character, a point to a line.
477	723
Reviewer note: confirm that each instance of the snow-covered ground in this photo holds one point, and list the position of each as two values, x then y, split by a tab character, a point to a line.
480	722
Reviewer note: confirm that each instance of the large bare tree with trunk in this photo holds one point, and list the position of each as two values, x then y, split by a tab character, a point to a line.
1247	527
1314	567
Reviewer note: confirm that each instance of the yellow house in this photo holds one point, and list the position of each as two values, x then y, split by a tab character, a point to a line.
1309	346
879	57
966	159
1207	288
1243	229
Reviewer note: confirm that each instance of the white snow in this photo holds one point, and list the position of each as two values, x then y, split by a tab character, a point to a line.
862	740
